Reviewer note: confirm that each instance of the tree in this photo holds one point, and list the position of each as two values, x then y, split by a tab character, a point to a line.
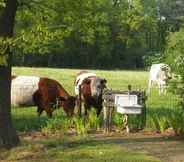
8	135
39	38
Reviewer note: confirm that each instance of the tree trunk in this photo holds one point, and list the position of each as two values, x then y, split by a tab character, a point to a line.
8	135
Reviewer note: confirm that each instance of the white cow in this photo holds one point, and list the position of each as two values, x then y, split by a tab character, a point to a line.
159	74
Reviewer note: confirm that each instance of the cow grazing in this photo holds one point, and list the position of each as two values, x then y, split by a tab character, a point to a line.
45	93
159	74
89	88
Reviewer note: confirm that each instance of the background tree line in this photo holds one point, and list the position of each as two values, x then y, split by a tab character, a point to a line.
94	33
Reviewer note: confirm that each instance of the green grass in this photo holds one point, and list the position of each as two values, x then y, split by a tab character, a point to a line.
75	150
116	79
159	108
163	112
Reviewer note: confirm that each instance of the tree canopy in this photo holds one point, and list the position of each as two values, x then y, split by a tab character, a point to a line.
90	33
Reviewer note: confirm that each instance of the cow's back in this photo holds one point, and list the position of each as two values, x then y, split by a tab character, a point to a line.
154	71
81	76
23	89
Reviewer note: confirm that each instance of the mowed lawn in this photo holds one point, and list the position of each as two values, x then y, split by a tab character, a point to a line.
116	79
66	148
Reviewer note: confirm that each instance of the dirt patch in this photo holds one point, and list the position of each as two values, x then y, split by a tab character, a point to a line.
166	148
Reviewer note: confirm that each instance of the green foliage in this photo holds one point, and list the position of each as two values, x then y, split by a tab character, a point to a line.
58	124
175	50
93	33
163	112
153	58
118	121
174	54
5	45
3	51
94	122
2	4
80	126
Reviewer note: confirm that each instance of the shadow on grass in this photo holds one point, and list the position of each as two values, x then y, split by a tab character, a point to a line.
26	119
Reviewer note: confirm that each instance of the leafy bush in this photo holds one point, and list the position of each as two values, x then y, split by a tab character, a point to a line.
175	58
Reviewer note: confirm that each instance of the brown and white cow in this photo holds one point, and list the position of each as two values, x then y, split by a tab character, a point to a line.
45	93
89	88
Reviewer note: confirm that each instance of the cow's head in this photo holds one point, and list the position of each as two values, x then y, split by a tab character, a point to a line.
97	85
165	73
68	104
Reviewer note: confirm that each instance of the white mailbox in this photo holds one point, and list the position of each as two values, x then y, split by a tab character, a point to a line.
127	104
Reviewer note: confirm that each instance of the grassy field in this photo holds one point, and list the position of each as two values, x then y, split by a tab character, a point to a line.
159	108
52	144
116	79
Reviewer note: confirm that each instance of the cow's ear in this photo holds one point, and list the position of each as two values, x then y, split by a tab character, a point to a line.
163	68
103	81
60	98
87	81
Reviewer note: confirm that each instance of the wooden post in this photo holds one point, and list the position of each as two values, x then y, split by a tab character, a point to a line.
105	117
110	118
107	111
125	121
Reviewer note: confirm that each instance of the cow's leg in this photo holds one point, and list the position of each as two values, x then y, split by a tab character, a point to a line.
86	107
165	90
98	111
79	106
149	86
39	111
49	111
37	98
160	89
